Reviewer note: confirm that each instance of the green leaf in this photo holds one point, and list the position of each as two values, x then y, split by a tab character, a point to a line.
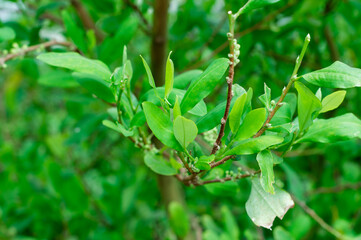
213	118
7	34
57	78
95	85
185	131
118	127
263	207
266	97
204	161
308	106
138	119
179	220
182	81
204	84
176	109
254	4
223	189
265	162
340	128
149	73
169	76
73	31
161	125
338	75
253	122
332	101
236	113
77	63
254	145
152	96
158	165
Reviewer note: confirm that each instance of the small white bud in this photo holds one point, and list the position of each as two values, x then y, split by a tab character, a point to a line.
308	38
230	63
273	102
223	121
230	55
297	59
229	35
284	88
235	41
237	61
229	12
237	47
281	104
268	125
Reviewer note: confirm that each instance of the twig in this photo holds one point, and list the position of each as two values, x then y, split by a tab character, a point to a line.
32	48
232	63
253	28
336	189
220	162
246	175
286	89
148	27
318	219
86	19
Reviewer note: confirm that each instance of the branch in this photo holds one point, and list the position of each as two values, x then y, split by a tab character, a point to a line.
232	62
86	19
318	219
32	48
148	27
336	189
220	162
286	89
222	180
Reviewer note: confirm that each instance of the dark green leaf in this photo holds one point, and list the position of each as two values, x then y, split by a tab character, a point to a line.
74	32
204	84
161	125
254	145
183	80
58	79
340	128
159	165
77	63
149	73
95	86
338	75
255	4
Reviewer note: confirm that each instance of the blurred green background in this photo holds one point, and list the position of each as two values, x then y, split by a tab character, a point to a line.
63	175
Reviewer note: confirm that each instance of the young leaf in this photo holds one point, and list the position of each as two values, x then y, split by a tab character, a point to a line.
159	165
179	220
96	86
176	109
169	76
263	207
340	128
149	73
251	124
236	113
308	105
254	145
332	101
266	97
338	75
265	162
6	34
204	84
77	63
203	162
118	127
254	4
161	125
185	131
182	81
138	119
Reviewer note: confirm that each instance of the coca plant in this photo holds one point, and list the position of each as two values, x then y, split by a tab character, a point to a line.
200	147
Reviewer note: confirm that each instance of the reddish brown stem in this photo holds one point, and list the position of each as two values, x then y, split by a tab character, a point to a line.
226	178
32	48
220	162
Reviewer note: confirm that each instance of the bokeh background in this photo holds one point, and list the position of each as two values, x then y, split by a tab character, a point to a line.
65	176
